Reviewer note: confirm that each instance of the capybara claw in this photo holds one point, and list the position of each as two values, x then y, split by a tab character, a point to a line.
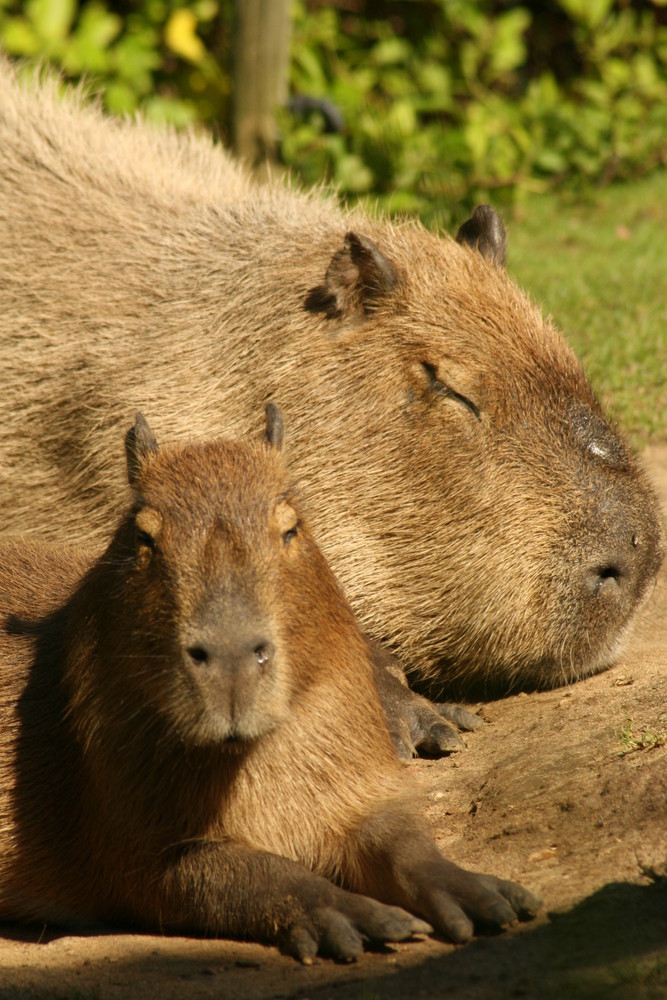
524	902
301	944
459	716
436	738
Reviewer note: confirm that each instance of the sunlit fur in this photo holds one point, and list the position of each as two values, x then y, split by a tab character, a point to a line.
143	269
107	759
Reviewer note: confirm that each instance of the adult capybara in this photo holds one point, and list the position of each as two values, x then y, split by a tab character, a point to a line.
484	519
190	735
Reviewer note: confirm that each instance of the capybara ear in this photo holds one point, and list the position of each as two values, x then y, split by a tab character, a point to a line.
485	232
139	443
274	426
357	274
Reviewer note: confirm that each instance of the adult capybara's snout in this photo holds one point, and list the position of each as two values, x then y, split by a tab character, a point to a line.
618	548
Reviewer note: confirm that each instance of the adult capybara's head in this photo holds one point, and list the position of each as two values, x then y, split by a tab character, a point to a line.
514	534
200	580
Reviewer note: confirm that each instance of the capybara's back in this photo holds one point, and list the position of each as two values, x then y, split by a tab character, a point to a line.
190	735
485	520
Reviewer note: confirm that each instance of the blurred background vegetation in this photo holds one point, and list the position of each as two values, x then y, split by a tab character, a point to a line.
441	102
431	106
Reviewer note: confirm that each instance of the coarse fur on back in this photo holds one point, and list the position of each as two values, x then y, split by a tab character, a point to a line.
485	520
190	734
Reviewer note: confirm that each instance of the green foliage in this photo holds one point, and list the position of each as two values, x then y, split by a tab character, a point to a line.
146	54
450	101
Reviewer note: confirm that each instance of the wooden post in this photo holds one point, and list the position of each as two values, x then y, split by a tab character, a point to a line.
261	63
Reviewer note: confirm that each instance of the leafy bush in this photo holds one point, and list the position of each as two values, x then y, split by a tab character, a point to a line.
146	54
451	101
444	101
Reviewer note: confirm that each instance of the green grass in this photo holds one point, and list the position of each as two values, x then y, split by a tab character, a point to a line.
641	973
621	981
599	267
648	739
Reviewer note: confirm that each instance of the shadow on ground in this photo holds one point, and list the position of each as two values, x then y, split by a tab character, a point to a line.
611	945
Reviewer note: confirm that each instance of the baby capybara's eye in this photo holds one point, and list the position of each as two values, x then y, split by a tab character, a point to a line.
144	539
290	534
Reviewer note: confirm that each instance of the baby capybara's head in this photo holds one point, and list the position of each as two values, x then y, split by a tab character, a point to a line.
205	567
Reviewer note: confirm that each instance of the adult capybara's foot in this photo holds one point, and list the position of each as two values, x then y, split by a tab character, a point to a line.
417	725
459	902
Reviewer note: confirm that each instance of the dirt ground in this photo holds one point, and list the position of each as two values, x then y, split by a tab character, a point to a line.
565	791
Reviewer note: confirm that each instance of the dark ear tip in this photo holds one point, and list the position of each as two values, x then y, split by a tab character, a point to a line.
142	434
377	274
485	212
139	442
275	426
485	231
141	428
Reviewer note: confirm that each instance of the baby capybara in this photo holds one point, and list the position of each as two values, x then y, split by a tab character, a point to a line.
190	735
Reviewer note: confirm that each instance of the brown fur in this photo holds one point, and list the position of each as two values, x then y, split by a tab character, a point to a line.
190	735
457	469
